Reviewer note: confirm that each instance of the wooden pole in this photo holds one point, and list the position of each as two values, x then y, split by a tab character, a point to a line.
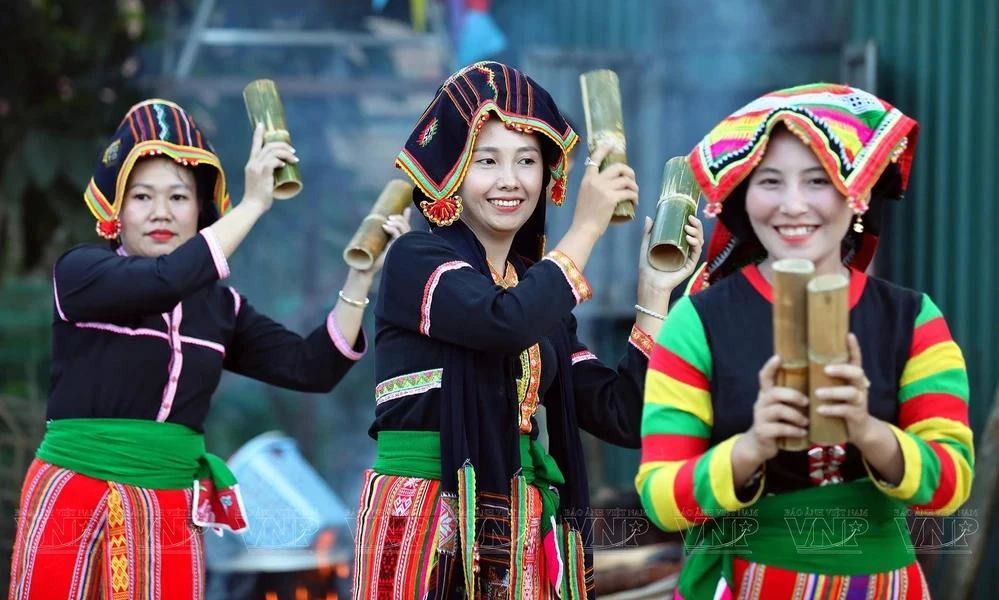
370	239
263	105
605	123
790	324
828	326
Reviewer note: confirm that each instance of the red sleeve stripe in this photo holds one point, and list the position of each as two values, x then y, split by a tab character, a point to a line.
948	479
666	362
669	447
683	490
929	334
931	406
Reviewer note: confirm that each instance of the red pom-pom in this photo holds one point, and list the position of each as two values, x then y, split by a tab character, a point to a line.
558	191
109	230
442	212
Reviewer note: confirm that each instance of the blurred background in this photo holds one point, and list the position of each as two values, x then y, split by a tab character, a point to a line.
354	76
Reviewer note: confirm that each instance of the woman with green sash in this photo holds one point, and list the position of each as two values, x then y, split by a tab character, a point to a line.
115	502
802	173
465	500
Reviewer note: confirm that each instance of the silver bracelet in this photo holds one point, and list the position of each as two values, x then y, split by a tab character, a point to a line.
651	313
352	302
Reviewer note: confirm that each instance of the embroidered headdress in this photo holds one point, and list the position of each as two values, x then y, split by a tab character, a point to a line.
864	144
438	152
150	128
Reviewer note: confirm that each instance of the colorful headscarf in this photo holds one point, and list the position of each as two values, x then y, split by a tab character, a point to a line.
152	127
437	154
864	144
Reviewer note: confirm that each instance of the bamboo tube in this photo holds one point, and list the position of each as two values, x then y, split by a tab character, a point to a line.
678	200
370	239
263	105
790	324
828	326
605	123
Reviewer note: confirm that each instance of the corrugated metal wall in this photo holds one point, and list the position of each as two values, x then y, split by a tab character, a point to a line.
939	62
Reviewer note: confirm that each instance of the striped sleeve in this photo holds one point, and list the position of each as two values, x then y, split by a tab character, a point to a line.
681	481
933	430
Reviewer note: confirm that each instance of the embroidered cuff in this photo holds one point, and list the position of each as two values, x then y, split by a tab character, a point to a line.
218	255
583	355
911	460
340	342
641	340
580	287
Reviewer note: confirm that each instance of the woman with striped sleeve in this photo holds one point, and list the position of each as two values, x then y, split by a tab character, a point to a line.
142	330
802	173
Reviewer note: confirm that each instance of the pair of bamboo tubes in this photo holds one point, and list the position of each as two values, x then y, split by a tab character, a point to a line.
263	105
811	321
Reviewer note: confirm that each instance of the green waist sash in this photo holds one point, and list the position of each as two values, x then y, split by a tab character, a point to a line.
418	454
151	455
846	529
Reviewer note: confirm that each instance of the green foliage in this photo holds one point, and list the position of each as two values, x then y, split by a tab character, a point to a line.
69	70
25	321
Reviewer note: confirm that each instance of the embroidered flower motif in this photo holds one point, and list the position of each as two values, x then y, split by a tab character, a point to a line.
111	153
428	133
490	80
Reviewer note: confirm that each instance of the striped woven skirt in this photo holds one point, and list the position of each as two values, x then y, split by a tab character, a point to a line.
85	539
407	544
760	582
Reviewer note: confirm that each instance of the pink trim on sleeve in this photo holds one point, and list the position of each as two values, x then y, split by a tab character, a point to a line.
428	291
218	255
237	301
55	294
340	342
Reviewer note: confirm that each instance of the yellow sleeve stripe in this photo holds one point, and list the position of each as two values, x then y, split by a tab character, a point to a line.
933	360
912	458
722	483
663	389
940	429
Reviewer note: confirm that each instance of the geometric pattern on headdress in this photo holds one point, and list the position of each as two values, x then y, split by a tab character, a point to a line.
150	128
438	152
854	134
